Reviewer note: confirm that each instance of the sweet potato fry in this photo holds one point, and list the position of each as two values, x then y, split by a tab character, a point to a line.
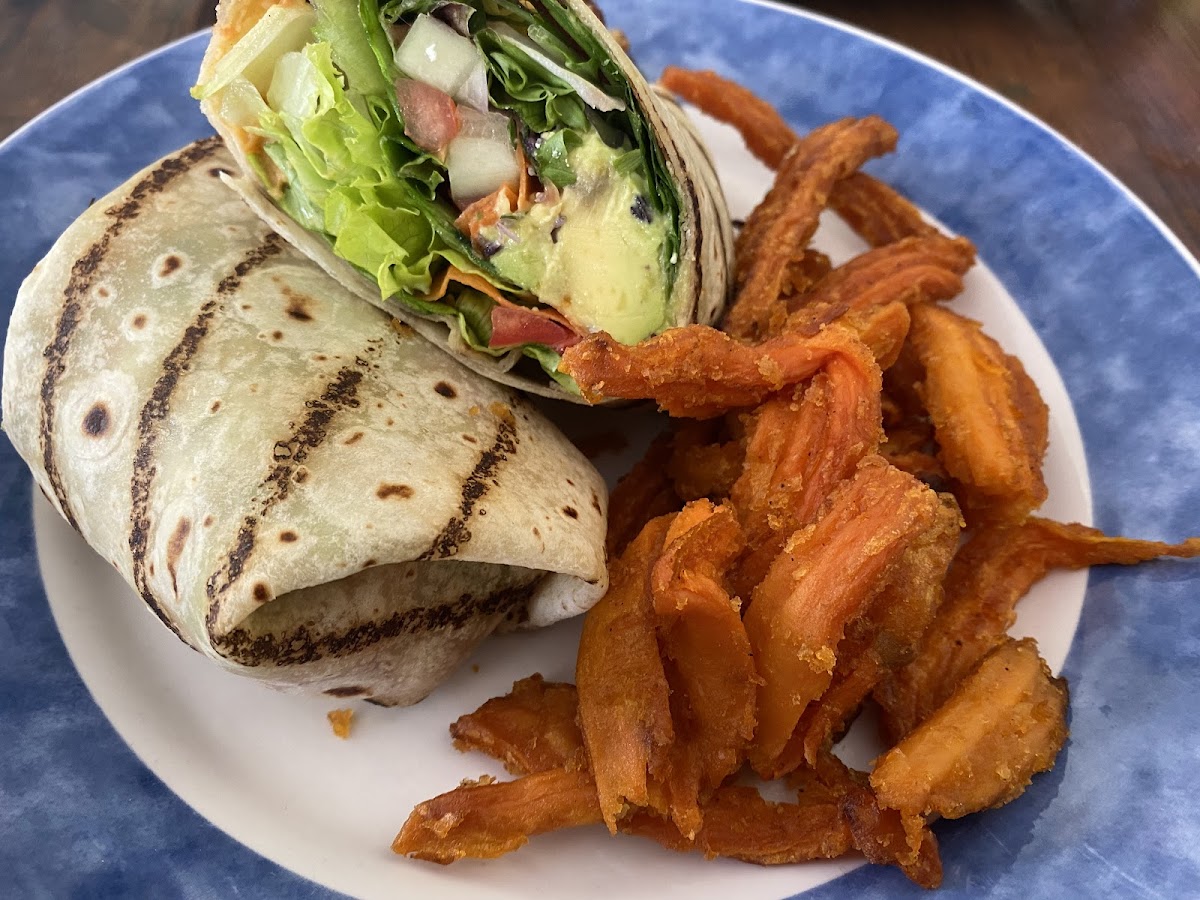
824	578
532	729
989	419
805	272
1003	724
765	132
740	824
884	836
798	451
624	706
912	270
877	212
642	494
710	669
884	639
882	329
779	229
698	372
483	821
702	464
989	574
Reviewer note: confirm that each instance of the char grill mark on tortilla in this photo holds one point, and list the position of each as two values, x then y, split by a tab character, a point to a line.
456	533
83	276
156	410
302	645
290	454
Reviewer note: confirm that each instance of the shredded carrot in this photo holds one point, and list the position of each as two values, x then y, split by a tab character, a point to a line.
441	282
502	202
486	211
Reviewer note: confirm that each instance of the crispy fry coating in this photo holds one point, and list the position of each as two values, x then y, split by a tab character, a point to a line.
486	820
710	669
698	372
877	212
643	493
990	573
805	272
989	419
765	132
1003	724
912	270
884	639
779	229
532	729
884	836
740	824
797	451
340	720
702	464
624	705
883	329
824	578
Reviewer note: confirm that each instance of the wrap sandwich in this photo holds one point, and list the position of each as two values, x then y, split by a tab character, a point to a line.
496	173
296	487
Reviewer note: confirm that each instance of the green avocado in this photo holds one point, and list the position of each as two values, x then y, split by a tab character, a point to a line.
597	255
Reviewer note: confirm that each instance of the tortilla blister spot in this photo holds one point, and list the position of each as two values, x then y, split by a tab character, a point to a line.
167	267
99	412
186	449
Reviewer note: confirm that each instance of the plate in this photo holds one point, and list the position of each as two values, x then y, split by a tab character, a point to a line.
122	748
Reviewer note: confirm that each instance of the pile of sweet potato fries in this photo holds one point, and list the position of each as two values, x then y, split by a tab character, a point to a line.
841	513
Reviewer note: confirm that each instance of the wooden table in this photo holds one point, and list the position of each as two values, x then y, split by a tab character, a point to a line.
1118	77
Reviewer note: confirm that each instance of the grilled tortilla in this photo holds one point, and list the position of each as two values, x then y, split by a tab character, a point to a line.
497	174
294	487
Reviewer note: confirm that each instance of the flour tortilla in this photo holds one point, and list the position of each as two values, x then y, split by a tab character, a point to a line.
298	489
706	247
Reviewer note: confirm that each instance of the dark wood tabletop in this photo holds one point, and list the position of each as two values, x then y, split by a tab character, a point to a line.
1121	78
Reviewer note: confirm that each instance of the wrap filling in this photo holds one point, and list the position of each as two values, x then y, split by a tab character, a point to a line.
482	161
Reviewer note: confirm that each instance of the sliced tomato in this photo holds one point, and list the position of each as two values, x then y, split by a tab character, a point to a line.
512	325
430	115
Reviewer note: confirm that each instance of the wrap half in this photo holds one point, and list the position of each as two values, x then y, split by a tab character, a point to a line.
496	173
296	488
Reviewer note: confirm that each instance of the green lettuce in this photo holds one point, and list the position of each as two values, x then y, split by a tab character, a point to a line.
333	128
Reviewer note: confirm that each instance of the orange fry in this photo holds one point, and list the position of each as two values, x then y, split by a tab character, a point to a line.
765	132
486	820
624	707
1003	724
703	469
884	836
532	729
988	417
805	272
823	579
698	372
877	212
884	639
643	493
709	666
911	270
990	573
780	228
798	451
740	824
